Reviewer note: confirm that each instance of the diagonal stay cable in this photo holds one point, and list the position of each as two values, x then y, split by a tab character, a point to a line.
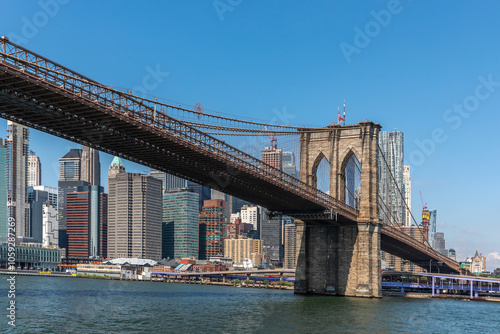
402	196
389	211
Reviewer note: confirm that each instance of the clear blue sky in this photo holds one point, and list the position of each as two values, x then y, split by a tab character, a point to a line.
247	58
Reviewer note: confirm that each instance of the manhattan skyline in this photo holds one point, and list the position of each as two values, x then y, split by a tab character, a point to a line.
413	75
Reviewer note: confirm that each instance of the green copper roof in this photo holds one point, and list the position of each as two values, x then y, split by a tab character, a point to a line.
117	161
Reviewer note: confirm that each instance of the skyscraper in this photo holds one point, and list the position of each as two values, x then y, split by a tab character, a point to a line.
273	157
432	225
391	180
3	190
238	204
233	229
452	254
69	181
34	171
289	166
38	196
17	201
116	167
70	166
90	166
168	181
203	192
290	246
439	243
212	228
180	227
241	249
407	192
425	223
134	214
87	223
250	215
271	233
228	199
51	192
237	229
50	227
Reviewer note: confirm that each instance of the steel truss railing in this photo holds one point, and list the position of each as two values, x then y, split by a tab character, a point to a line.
396	233
143	112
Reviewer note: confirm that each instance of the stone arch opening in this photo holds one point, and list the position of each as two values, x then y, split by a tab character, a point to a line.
351	180
321	173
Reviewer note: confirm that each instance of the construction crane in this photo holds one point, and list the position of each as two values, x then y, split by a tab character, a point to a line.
425	219
424	206
273	139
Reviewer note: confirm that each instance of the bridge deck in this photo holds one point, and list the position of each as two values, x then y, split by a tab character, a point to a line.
396	242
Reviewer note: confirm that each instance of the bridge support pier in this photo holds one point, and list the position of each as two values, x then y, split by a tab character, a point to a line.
338	260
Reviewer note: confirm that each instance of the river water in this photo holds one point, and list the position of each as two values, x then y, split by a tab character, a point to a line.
79	305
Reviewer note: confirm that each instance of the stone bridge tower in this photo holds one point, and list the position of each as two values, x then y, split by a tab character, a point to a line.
335	258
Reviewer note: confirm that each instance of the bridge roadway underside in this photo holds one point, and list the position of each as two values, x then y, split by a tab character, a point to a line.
25	100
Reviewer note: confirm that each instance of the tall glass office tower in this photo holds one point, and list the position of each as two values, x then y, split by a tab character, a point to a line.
180	227
391	177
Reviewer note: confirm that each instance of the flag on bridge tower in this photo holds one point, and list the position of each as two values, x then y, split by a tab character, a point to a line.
341	119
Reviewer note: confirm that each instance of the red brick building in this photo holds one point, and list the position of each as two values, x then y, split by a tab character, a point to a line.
208	268
234	231
272	156
87	222
212	228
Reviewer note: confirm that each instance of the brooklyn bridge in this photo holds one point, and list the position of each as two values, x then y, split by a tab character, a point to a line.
340	233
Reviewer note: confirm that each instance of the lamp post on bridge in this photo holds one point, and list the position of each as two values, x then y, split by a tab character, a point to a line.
439	264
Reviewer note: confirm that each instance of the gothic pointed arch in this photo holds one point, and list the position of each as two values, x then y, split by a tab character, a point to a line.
317	161
350	178
321	167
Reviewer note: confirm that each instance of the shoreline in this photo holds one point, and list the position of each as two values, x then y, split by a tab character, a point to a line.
240	285
387	294
236	285
426	295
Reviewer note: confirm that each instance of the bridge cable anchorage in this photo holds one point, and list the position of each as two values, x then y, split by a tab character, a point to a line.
426	241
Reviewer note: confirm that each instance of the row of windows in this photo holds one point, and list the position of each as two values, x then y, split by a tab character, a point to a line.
54	256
